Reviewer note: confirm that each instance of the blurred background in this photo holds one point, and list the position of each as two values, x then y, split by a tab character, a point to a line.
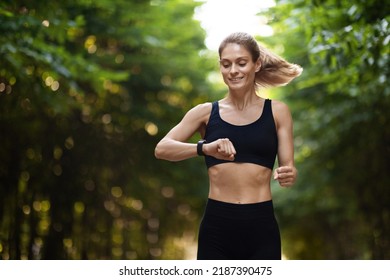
87	89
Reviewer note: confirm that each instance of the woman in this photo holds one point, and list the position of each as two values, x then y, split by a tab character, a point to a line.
242	134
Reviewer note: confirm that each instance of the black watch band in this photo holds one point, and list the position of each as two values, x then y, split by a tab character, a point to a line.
199	147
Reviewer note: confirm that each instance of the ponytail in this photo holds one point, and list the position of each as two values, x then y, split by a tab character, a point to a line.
275	71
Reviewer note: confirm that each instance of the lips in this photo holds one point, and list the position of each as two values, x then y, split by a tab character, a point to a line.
236	79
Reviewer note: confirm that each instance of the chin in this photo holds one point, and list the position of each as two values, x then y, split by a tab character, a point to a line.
240	85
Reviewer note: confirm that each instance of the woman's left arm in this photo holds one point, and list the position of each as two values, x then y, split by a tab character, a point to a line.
286	173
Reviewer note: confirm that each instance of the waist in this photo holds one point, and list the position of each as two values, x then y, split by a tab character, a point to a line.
229	210
240	183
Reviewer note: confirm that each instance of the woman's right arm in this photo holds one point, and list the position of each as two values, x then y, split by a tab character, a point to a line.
174	146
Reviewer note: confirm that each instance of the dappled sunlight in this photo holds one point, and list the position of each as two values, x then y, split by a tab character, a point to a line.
90	44
151	128
88	89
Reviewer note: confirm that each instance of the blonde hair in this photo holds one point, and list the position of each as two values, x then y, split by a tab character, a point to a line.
275	71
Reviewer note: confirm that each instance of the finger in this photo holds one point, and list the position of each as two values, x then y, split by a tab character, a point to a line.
285	175
284	169
233	150
226	147
223	150
279	173
221	146
289	182
285	183
231	157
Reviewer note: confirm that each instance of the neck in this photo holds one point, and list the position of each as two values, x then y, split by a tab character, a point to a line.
242	100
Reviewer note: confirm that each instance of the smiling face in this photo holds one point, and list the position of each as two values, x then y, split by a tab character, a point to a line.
237	67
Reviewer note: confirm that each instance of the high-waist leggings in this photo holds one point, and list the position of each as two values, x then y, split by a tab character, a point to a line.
230	231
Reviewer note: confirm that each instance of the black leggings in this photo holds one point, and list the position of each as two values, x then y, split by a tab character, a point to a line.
231	231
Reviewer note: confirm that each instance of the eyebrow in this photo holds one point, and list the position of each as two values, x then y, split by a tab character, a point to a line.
239	58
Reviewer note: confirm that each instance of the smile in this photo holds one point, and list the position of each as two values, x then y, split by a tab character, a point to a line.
236	79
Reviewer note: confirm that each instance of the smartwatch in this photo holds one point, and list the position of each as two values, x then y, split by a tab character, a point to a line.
199	147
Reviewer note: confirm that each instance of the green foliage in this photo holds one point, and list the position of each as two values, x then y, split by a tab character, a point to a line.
340	207
87	88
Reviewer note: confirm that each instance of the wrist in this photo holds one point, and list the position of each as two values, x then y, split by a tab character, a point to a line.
199	147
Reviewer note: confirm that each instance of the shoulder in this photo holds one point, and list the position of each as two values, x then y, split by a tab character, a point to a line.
279	107
200	111
280	111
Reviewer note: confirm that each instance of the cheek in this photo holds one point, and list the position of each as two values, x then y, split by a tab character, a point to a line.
247	70
224	72
250	73
223	69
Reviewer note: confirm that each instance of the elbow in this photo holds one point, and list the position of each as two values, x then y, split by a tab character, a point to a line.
163	150
160	152
157	152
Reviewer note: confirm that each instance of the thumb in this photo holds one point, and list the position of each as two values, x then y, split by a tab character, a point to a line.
276	174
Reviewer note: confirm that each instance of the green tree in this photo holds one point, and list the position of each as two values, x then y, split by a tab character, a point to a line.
340	207
86	91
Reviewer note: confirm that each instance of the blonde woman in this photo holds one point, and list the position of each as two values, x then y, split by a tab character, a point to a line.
241	136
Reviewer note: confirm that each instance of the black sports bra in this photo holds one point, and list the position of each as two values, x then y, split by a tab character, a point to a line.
256	142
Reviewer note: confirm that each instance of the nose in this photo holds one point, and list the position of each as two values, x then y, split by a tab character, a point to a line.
233	69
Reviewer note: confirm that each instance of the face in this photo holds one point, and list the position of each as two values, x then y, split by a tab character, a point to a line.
237	67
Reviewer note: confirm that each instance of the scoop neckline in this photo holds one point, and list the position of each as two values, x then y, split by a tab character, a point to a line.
242	125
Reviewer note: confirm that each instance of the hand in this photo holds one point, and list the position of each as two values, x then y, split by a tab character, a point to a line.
220	149
286	175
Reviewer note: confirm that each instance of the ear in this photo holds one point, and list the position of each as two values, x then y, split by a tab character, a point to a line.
258	65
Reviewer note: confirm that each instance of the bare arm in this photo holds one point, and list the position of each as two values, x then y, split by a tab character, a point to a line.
174	146
286	173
